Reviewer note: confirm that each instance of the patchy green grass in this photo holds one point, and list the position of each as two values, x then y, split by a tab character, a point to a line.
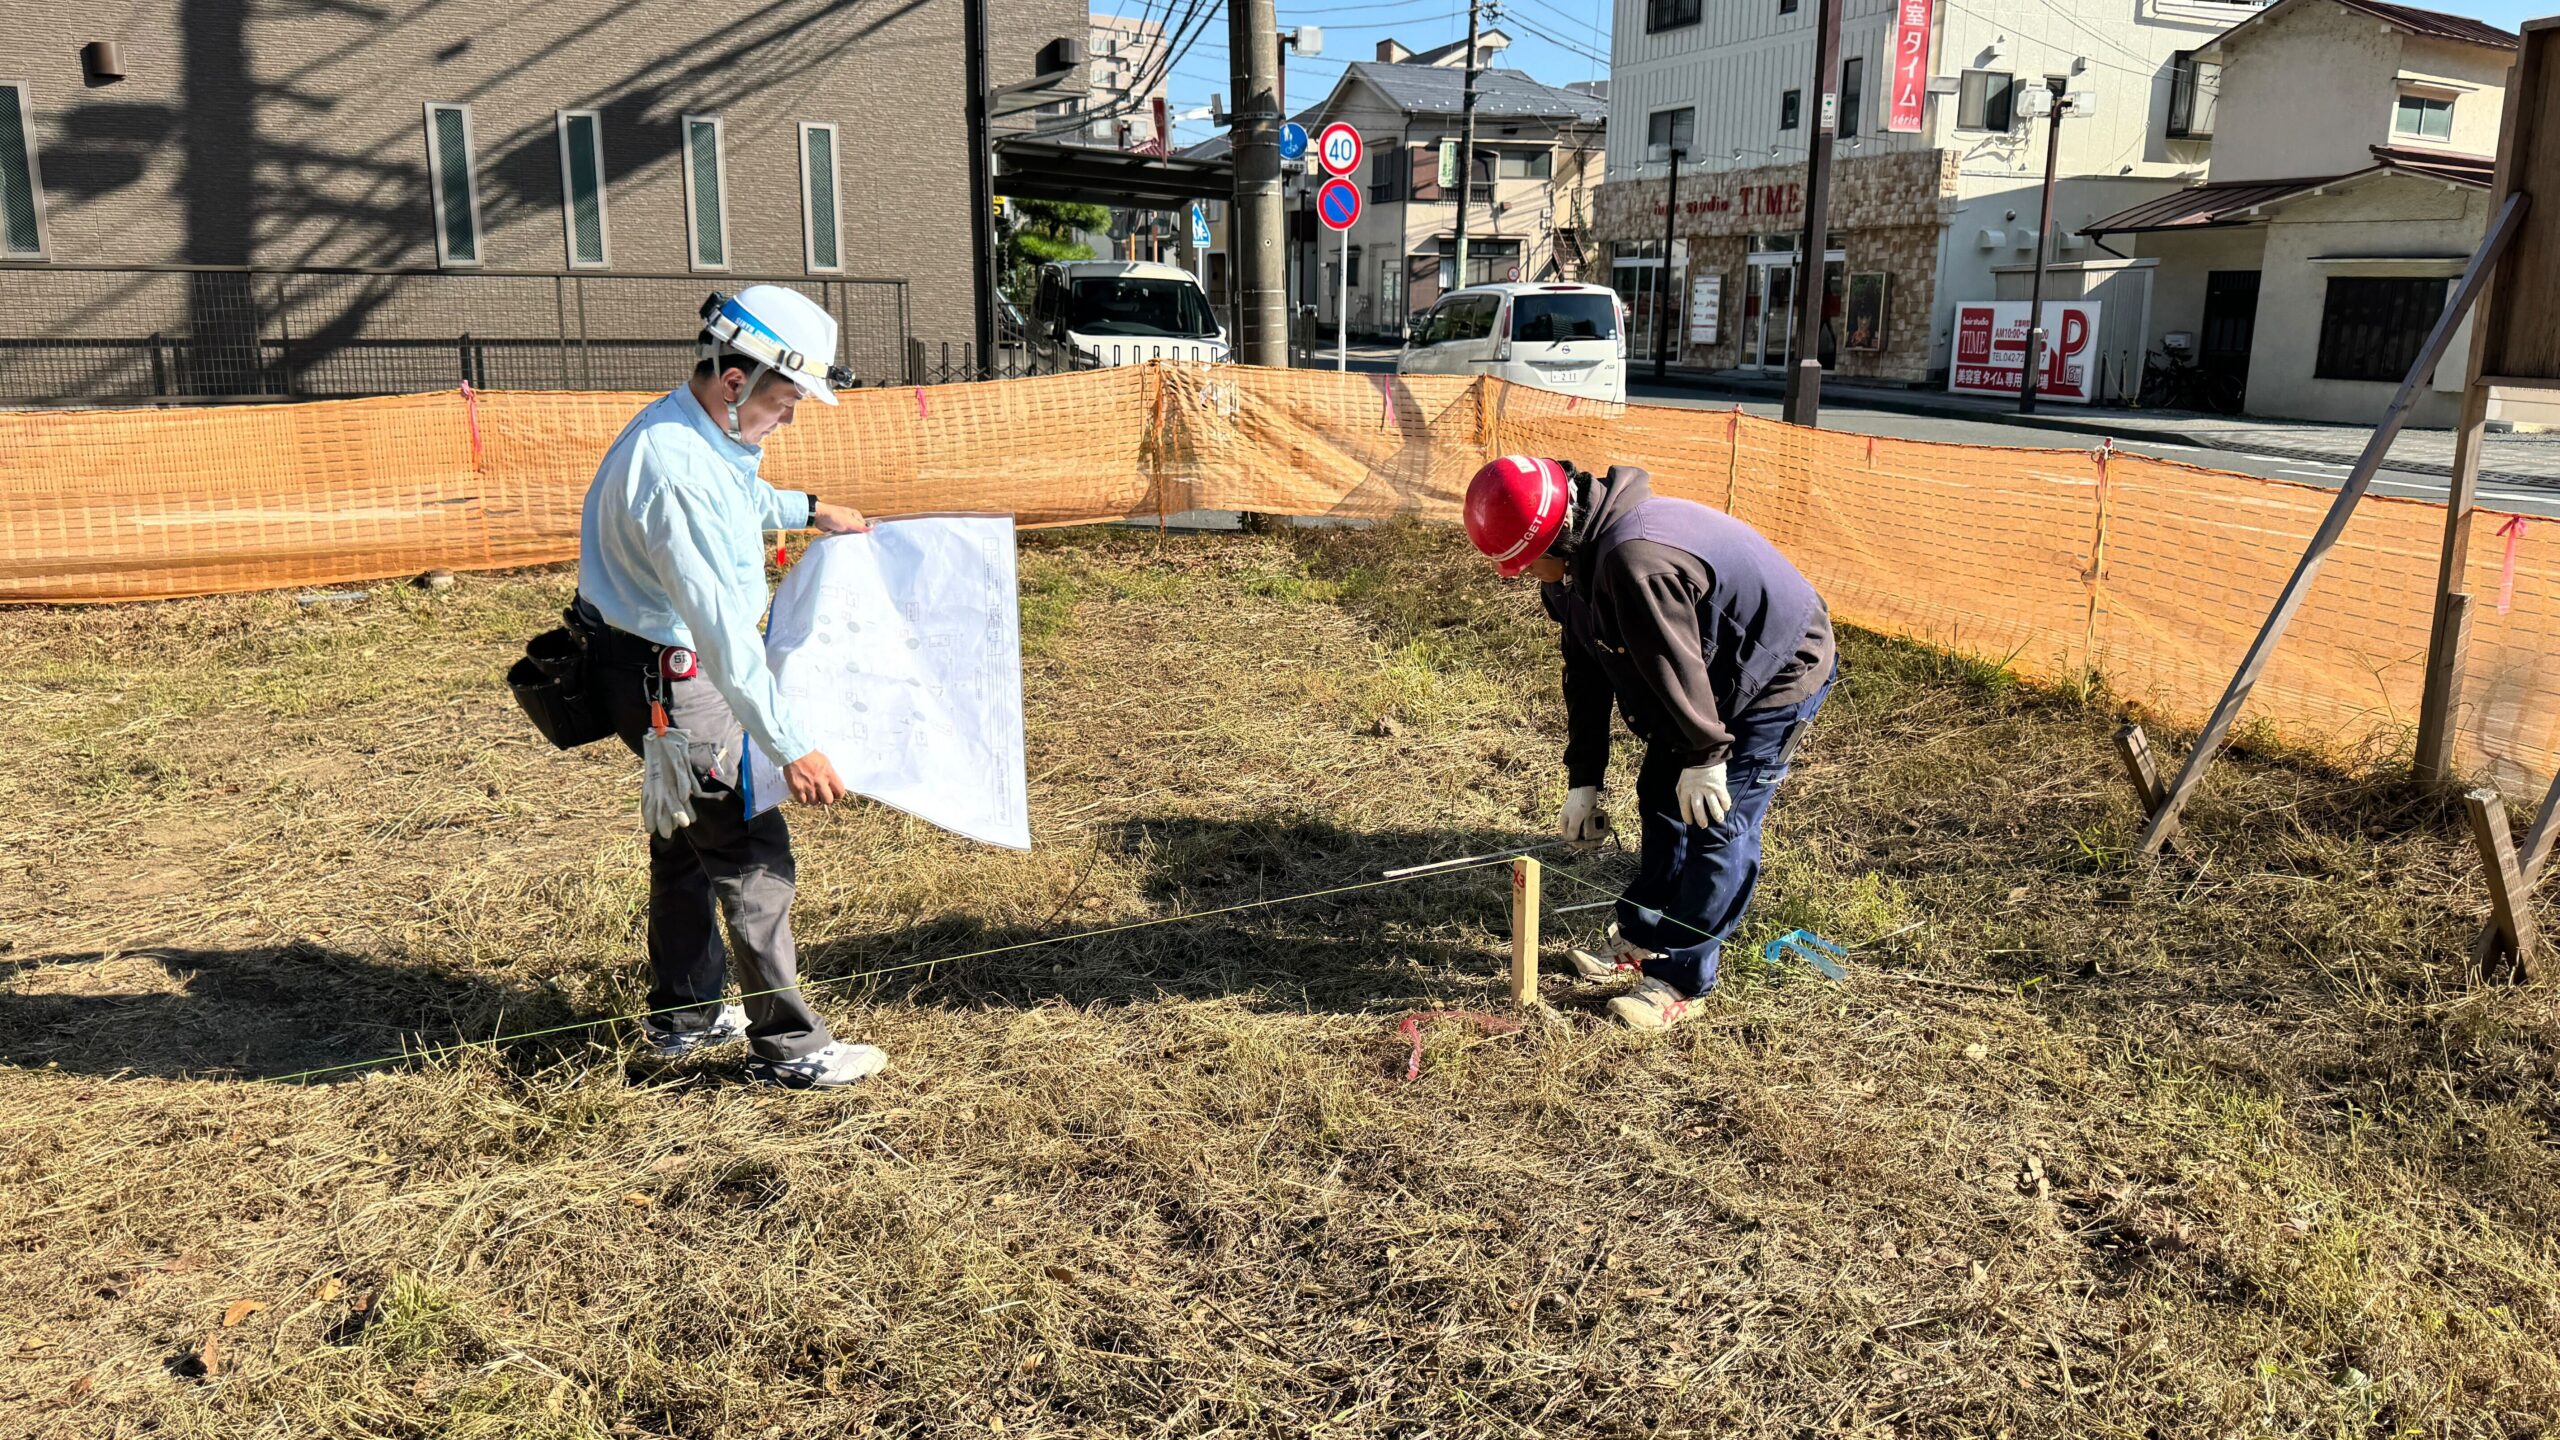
2085	1146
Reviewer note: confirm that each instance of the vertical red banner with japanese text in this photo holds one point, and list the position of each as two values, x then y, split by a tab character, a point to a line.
1910	66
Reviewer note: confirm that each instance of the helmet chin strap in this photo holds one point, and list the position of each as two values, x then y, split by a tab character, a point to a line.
755	377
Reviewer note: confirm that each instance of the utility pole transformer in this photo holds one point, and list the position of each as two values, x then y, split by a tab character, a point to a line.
1813	284
1467	136
1262	302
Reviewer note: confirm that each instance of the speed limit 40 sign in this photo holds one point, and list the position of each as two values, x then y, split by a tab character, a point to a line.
1339	149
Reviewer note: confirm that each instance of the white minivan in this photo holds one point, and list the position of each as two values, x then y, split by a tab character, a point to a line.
1092	314
1568	338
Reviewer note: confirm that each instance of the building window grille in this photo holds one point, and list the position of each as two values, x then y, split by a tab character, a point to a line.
2373	326
818	206
706	193
21	182
582	189
452	188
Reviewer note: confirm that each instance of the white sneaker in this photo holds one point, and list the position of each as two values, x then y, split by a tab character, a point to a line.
821	1069
1624	958
1652	1005
669	1043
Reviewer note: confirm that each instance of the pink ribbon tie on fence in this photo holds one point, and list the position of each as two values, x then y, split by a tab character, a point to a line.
2514	531
1386	401
922	410
471	417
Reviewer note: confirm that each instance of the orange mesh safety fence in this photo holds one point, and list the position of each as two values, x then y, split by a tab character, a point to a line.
2151	574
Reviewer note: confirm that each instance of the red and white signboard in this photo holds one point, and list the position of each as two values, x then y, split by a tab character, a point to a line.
1991	349
1338	149
1910	66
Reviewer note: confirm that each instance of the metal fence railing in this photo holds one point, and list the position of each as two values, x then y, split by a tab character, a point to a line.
73	334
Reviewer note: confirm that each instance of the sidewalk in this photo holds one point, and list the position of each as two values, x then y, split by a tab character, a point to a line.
2522	459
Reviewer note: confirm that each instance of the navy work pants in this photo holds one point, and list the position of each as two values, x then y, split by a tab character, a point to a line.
1695	882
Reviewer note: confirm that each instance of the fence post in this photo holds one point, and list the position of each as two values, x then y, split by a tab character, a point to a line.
560	327
284	338
462	353
586	364
1526	883
159	367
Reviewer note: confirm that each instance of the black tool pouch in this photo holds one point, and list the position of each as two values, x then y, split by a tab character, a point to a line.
552	684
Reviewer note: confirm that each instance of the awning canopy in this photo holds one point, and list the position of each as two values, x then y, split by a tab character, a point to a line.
2202	206
1092	175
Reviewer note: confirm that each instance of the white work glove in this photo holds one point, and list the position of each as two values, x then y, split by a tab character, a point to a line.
667	783
1584	823
1704	798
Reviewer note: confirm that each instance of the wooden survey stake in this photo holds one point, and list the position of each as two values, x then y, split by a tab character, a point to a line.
2510	939
1526	881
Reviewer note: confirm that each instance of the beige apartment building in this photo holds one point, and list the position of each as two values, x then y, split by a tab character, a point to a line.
2352	148
1539	156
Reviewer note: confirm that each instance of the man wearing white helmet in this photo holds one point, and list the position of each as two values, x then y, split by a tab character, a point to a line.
671	588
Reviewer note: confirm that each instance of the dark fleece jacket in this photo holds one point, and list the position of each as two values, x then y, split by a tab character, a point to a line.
1682	616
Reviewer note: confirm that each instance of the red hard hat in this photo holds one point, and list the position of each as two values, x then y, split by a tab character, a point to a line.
1516	508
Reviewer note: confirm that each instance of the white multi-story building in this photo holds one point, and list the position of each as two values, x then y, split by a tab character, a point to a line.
1941	212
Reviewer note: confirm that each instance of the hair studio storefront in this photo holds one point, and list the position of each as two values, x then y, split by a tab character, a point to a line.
1737	278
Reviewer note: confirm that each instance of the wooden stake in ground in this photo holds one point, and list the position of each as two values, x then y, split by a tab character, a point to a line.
1526	882
2510	938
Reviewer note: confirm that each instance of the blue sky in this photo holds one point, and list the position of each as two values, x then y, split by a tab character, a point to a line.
1352	32
1555	40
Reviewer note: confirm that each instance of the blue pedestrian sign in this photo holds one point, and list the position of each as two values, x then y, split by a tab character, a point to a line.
1338	203
1293	141
1199	227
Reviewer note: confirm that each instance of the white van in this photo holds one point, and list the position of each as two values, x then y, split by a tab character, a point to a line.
1568	338
1090	314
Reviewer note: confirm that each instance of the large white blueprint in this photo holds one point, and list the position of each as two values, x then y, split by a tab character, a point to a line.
899	654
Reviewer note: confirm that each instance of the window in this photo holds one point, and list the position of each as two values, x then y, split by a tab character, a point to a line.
2423	117
2372	327
1853	94
1786	7
21	183
1386	173
2195	88
1790	109
1531	165
1553	316
824	237
1674	128
706	193
582	189
1986	100
451	187
1669	14
1353	278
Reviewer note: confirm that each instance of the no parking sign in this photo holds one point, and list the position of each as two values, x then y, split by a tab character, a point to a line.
1338	204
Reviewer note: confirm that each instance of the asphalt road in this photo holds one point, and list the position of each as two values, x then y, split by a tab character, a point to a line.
1964	430
1948	429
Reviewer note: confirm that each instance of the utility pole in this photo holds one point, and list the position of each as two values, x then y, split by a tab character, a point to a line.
1662	301
1813	283
1253	51
982	182
2055	107
1467	135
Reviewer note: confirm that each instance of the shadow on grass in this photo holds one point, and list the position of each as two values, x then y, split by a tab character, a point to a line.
252	1013
268	1012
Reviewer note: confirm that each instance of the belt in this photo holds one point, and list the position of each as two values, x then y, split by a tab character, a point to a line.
620	649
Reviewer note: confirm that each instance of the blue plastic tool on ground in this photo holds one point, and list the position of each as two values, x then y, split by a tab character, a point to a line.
1812	949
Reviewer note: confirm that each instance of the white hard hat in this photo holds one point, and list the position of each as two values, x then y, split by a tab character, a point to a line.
781	329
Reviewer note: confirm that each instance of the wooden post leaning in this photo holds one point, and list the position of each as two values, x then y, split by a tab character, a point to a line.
2164	815
2510	940
1527	881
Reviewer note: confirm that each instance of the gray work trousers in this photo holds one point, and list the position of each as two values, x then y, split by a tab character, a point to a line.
722	863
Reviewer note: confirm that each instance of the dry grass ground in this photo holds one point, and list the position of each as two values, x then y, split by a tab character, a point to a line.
2084	1148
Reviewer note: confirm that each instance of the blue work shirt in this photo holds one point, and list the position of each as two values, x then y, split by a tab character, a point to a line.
671	549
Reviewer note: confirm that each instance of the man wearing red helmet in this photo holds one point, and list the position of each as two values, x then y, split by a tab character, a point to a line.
1717	651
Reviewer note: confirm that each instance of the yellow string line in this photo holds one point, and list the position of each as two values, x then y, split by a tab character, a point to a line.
440	1051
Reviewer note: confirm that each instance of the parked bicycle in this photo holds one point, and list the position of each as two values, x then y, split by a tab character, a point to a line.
2177	382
